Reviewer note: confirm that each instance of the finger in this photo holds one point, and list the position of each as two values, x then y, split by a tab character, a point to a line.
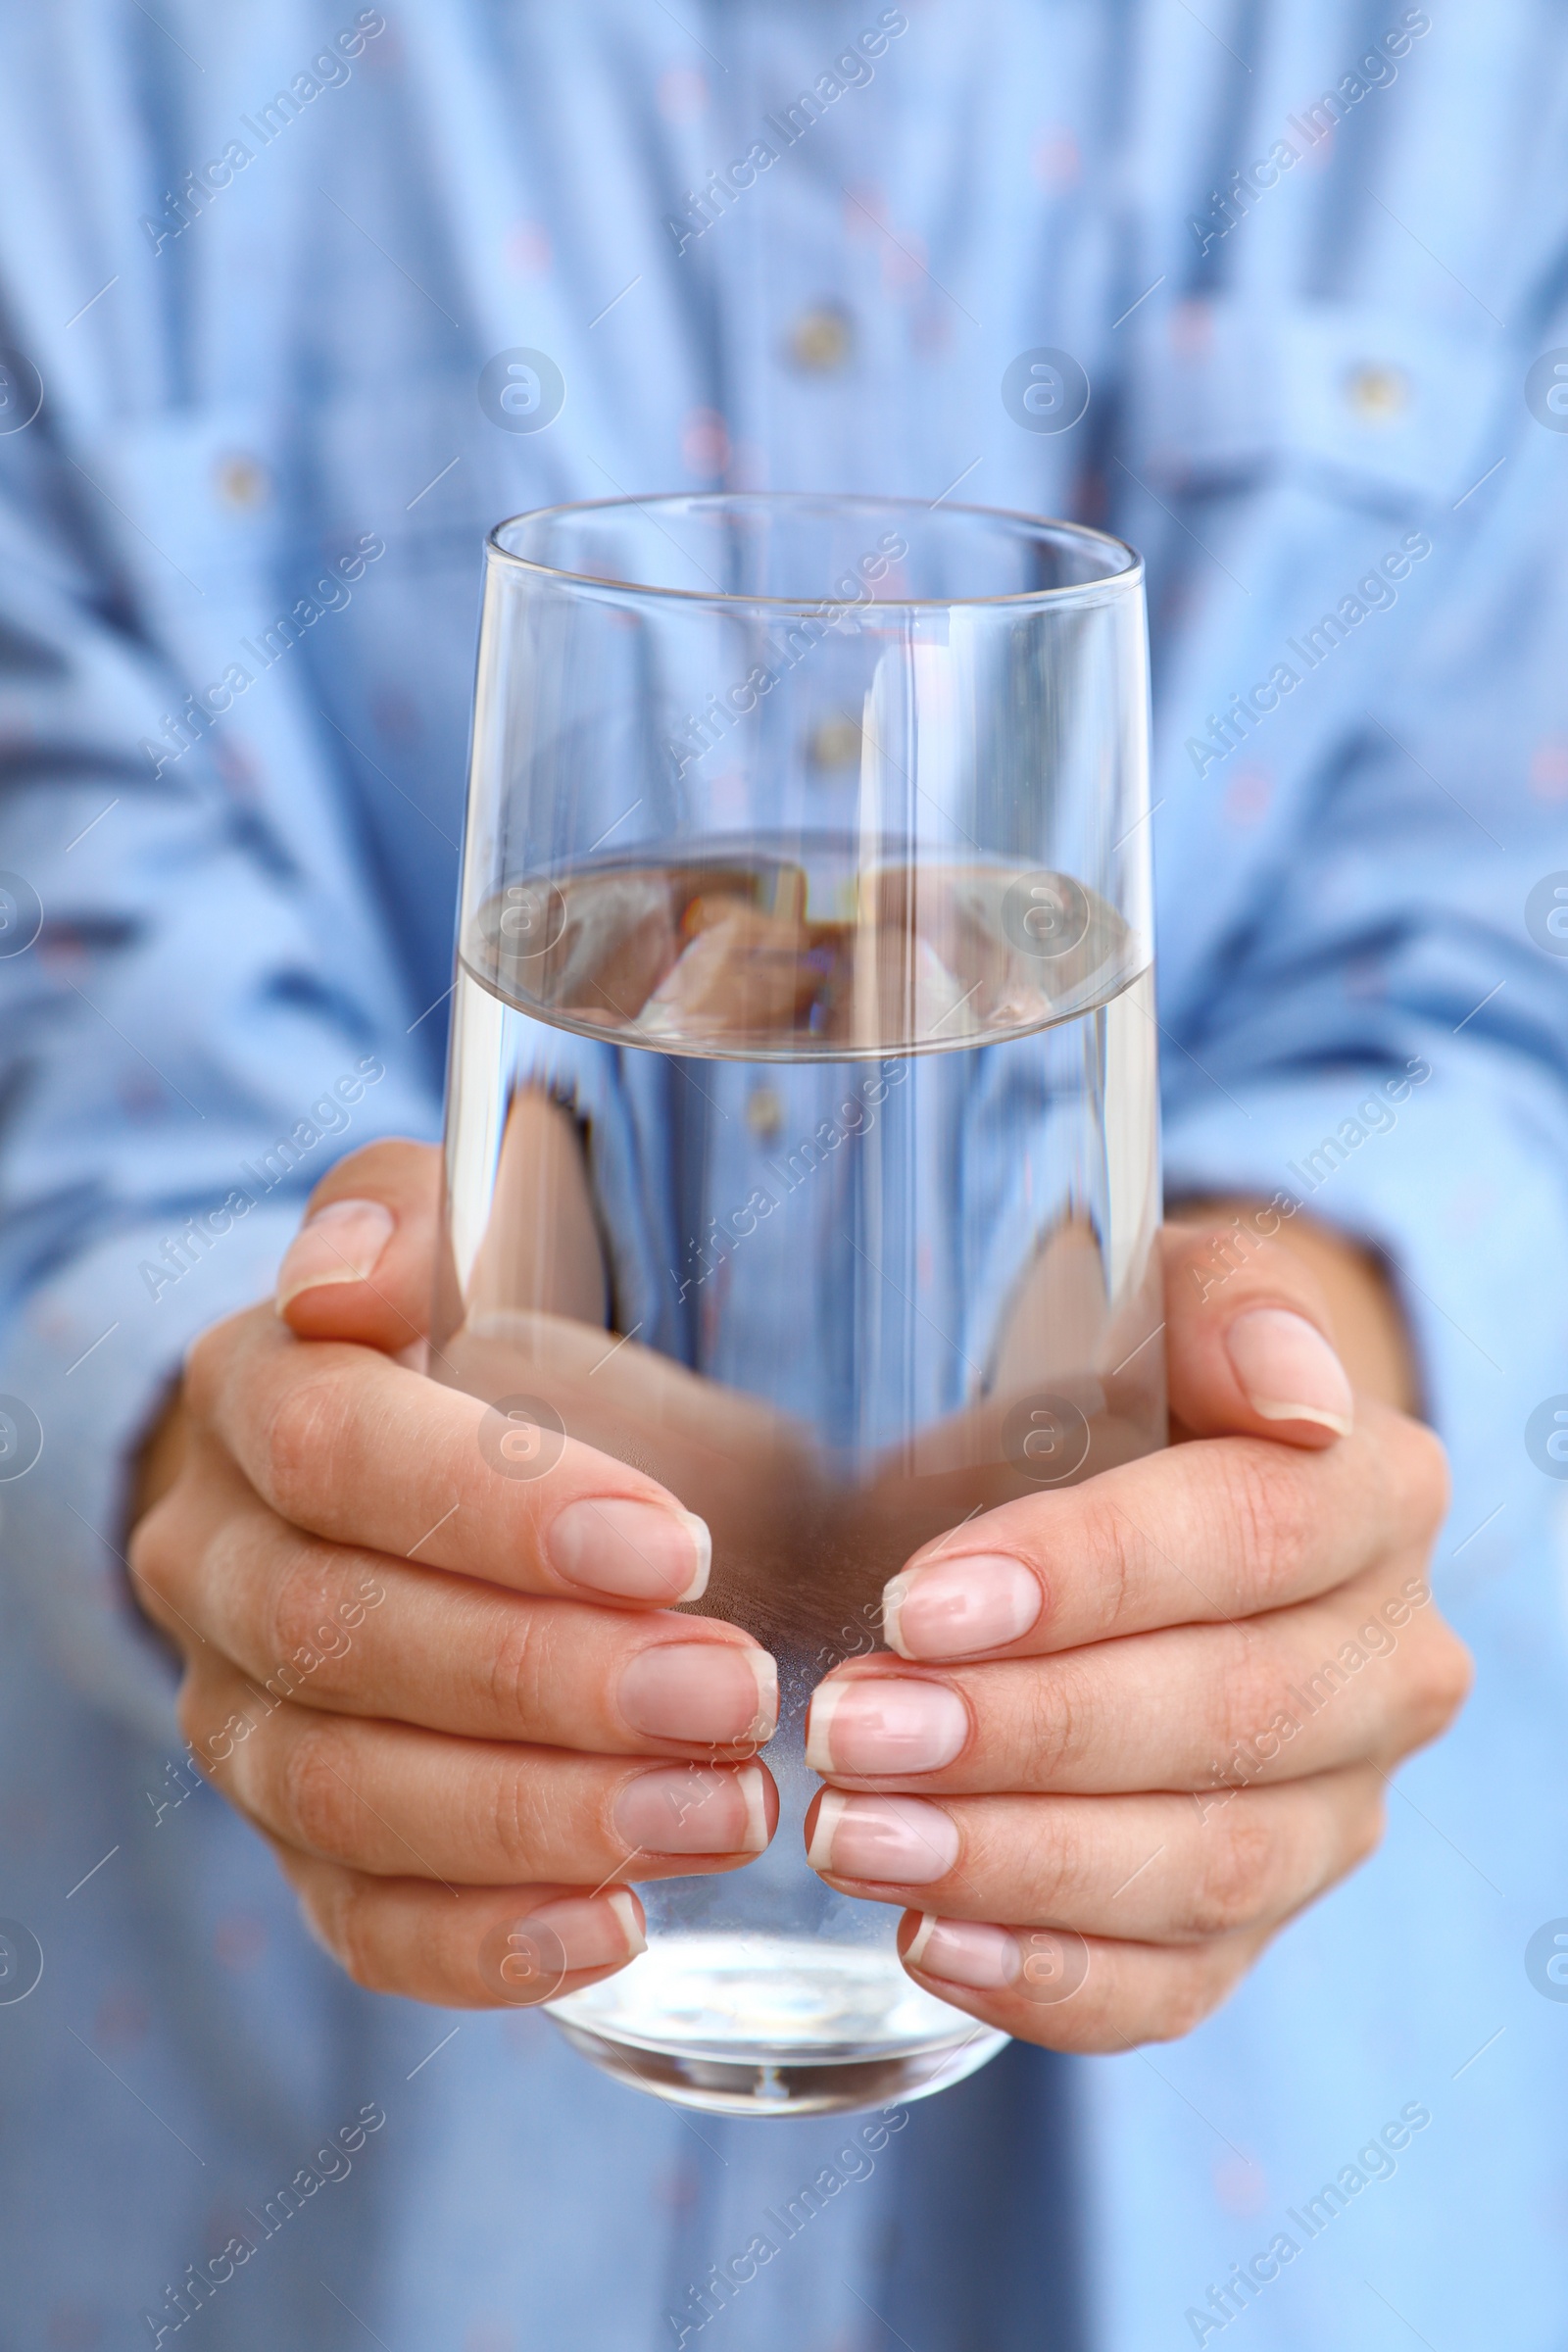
353	1632
363	1262
1248	1343
1298	1692
1219	1528
488	1947
1151	1869
398	1802
341	1441
1065	1991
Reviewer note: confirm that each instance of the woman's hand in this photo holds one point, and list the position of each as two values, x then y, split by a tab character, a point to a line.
1145	1720
451	1691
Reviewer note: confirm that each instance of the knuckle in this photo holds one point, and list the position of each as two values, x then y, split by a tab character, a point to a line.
511	1821
300	1602
1424	1462
213	1730
1271	1510
209	1360
350	1930
1236	1872
298	1438
1439	1682
520	1667
1059	1718
205	1364
1365	1832
317	1804
1247	1693
154	1553
1122	1557
195	1714
1070	1866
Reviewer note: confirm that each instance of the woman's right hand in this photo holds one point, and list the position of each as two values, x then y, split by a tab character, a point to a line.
432	1656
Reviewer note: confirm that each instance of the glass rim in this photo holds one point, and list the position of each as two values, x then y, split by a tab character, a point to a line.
1124	579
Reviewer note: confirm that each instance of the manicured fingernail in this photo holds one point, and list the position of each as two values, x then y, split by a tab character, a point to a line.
876	1724
1287	1371
525	1960
340	1244
694	1809
595	1930
900	1839
700	1690
965	1952
631	1550
954	1608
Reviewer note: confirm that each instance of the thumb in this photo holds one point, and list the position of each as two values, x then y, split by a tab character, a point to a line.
1249	1340
363	1264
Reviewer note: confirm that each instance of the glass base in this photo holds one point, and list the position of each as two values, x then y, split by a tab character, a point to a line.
784	2086
768	2024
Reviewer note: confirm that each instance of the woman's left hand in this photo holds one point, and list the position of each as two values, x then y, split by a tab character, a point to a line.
1133	1726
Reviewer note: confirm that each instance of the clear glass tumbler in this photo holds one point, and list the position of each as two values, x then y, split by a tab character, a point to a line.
802	1135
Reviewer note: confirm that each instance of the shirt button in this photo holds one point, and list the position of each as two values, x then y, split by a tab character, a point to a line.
1378	394
835	743
242	483
764	1114
822	340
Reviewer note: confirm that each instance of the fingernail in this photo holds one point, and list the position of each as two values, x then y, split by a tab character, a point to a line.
694	1809
527	1958
700	1690
340	1244
596	1930
876	1724
1287	1369
954	1607
900	1839
965	1952
632	1550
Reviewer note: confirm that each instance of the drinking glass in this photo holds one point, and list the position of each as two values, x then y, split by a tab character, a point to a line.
802	1133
